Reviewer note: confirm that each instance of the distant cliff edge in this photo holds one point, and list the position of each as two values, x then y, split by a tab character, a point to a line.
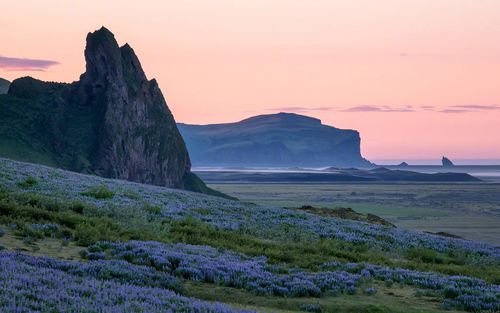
282	139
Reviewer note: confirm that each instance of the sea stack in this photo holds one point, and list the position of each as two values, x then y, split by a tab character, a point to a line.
447	162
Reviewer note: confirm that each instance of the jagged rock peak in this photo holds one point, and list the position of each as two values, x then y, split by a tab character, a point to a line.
138	139
106	61
102	53
102	35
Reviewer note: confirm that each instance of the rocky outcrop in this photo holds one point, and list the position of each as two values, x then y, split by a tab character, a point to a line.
113	122
138	138
447	162
282	139
345	213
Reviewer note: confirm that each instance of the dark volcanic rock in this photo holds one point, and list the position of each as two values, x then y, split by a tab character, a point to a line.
138	138
113	122
447	162
282	139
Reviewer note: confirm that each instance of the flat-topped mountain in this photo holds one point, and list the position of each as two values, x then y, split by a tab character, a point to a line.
4	86
282	139
113	122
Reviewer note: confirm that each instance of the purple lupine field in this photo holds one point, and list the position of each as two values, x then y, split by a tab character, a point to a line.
141	259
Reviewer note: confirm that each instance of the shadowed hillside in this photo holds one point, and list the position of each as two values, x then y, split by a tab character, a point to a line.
4	86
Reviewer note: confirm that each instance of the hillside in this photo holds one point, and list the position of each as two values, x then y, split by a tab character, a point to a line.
113	122
79	238
279	140
4	86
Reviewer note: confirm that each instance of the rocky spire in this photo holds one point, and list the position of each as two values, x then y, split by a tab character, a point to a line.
447	162
137	135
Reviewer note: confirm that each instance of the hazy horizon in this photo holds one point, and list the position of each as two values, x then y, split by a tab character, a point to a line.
418	79
437	161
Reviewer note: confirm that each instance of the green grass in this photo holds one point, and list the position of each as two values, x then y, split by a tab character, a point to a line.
23	149
79	222
52	247
153	209
400	299
27	183
99	192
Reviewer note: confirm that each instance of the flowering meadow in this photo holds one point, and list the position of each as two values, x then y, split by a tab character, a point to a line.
207	264
217	266
34	284
143	248
222	213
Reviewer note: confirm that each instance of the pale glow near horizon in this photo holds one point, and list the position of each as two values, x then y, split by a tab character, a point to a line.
222	61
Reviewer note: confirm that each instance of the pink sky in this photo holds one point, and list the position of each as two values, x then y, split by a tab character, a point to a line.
384	67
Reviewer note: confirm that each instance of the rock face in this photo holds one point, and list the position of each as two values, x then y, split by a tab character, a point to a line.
447	162
4	86
113	122
138	138
282	139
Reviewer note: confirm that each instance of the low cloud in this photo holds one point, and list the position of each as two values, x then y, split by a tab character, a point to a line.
385	108
301	109
476	107
471	108
21	64
373	108
454	111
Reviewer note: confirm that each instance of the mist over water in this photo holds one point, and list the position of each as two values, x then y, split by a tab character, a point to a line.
437	161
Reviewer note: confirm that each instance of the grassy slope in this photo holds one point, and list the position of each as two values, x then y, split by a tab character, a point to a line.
31	130
91	208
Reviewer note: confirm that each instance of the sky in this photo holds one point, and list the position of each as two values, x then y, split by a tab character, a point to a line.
418	79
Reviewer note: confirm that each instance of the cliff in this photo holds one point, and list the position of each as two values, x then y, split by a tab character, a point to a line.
282	139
